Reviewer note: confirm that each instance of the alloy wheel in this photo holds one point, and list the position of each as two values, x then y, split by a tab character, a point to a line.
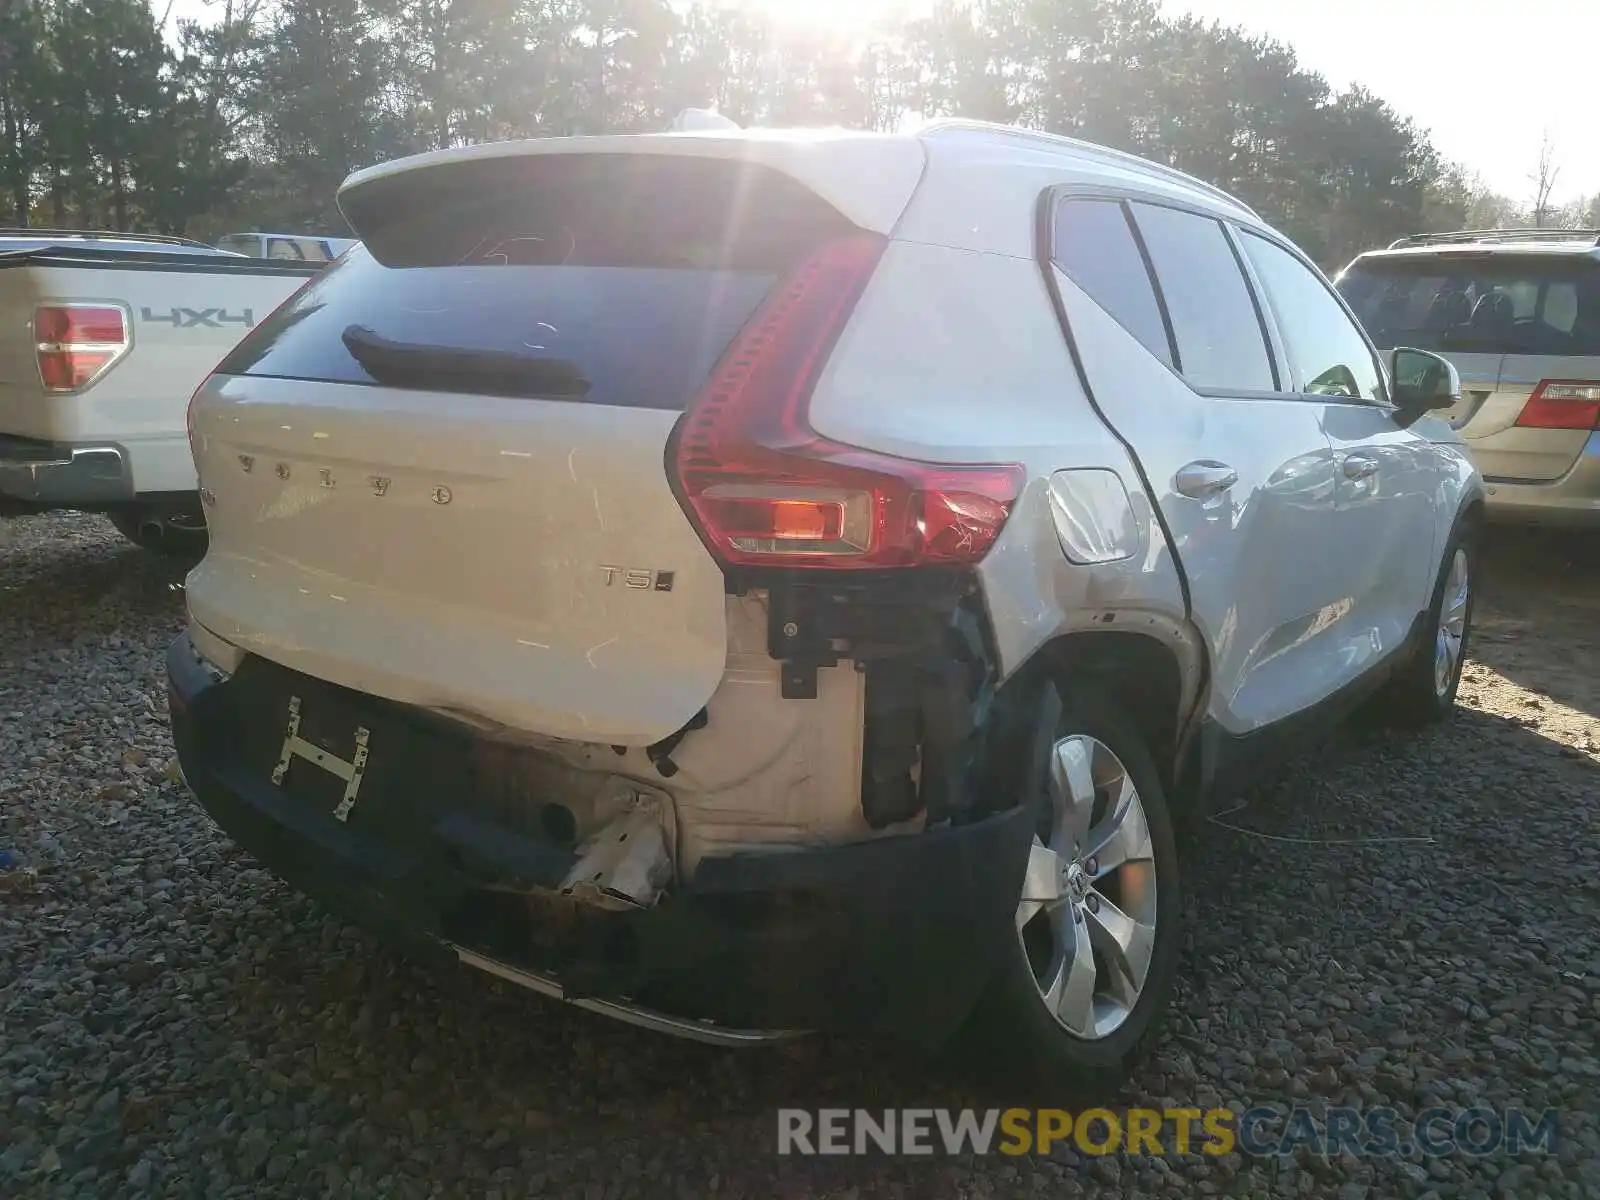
1452	630
1087	915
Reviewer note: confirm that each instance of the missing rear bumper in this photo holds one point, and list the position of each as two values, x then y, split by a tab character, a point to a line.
895	935
627	864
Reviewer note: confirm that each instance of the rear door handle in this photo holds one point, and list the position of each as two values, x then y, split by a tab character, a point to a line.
1205	478
1360	466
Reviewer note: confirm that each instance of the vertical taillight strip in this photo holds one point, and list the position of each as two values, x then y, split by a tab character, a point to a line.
764	488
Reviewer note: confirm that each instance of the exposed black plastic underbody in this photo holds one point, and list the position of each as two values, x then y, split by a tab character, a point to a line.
891	935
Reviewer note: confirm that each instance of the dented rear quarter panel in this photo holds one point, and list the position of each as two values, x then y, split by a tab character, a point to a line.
956	355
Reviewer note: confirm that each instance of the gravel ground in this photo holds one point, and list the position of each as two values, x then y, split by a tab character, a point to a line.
1401	922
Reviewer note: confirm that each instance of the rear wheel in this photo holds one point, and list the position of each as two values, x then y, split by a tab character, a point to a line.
1094	949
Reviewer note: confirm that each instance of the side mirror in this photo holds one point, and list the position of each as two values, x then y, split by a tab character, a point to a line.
1423	381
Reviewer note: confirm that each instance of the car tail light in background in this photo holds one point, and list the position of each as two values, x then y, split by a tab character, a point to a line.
78	343
1562	404
765	489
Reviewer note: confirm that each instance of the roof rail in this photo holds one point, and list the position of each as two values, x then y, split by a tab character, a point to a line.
1592	236
941	125
100	235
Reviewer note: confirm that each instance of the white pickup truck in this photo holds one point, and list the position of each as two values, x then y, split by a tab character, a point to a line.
103	338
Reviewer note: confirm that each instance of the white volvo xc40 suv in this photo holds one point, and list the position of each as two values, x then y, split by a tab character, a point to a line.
757	582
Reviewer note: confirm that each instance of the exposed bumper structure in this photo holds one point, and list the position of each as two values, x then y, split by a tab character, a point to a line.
1574	499
897	935
43	474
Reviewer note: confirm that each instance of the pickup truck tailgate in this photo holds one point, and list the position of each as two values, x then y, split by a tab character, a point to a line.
182	312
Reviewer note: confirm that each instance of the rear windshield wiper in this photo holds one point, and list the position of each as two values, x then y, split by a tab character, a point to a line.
450	368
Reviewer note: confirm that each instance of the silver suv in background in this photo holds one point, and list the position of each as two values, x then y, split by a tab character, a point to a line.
1518	313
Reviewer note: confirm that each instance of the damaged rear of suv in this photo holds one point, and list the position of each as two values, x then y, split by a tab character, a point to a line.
689	576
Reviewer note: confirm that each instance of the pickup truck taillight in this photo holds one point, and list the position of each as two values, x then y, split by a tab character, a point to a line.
1562	404
78	343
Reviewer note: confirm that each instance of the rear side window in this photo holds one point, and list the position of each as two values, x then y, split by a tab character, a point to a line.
616	279
1094	245
1221	345
1477	303
1326	350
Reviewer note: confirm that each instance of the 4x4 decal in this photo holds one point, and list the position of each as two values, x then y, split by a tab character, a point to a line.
189	318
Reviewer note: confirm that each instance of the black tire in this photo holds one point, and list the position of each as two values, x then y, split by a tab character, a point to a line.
177	536
1413	699
1011	1030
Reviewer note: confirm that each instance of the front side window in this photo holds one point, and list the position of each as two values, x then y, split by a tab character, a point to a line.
1326	351
1221	344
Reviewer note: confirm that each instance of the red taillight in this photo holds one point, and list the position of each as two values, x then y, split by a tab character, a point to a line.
765	489
1562	404
78	343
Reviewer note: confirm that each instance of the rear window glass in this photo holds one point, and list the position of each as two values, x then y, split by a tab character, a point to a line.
1479	303
615	282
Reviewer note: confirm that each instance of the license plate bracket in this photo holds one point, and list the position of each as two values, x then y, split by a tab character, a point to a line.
351	770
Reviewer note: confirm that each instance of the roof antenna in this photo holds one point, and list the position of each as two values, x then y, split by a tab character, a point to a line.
700	120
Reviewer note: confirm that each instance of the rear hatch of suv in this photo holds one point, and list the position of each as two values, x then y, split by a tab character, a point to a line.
1522	327
440	473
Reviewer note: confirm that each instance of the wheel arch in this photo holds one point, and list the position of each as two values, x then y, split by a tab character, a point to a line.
1157	681
1462	496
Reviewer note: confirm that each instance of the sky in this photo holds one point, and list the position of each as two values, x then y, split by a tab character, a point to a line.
1487	78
